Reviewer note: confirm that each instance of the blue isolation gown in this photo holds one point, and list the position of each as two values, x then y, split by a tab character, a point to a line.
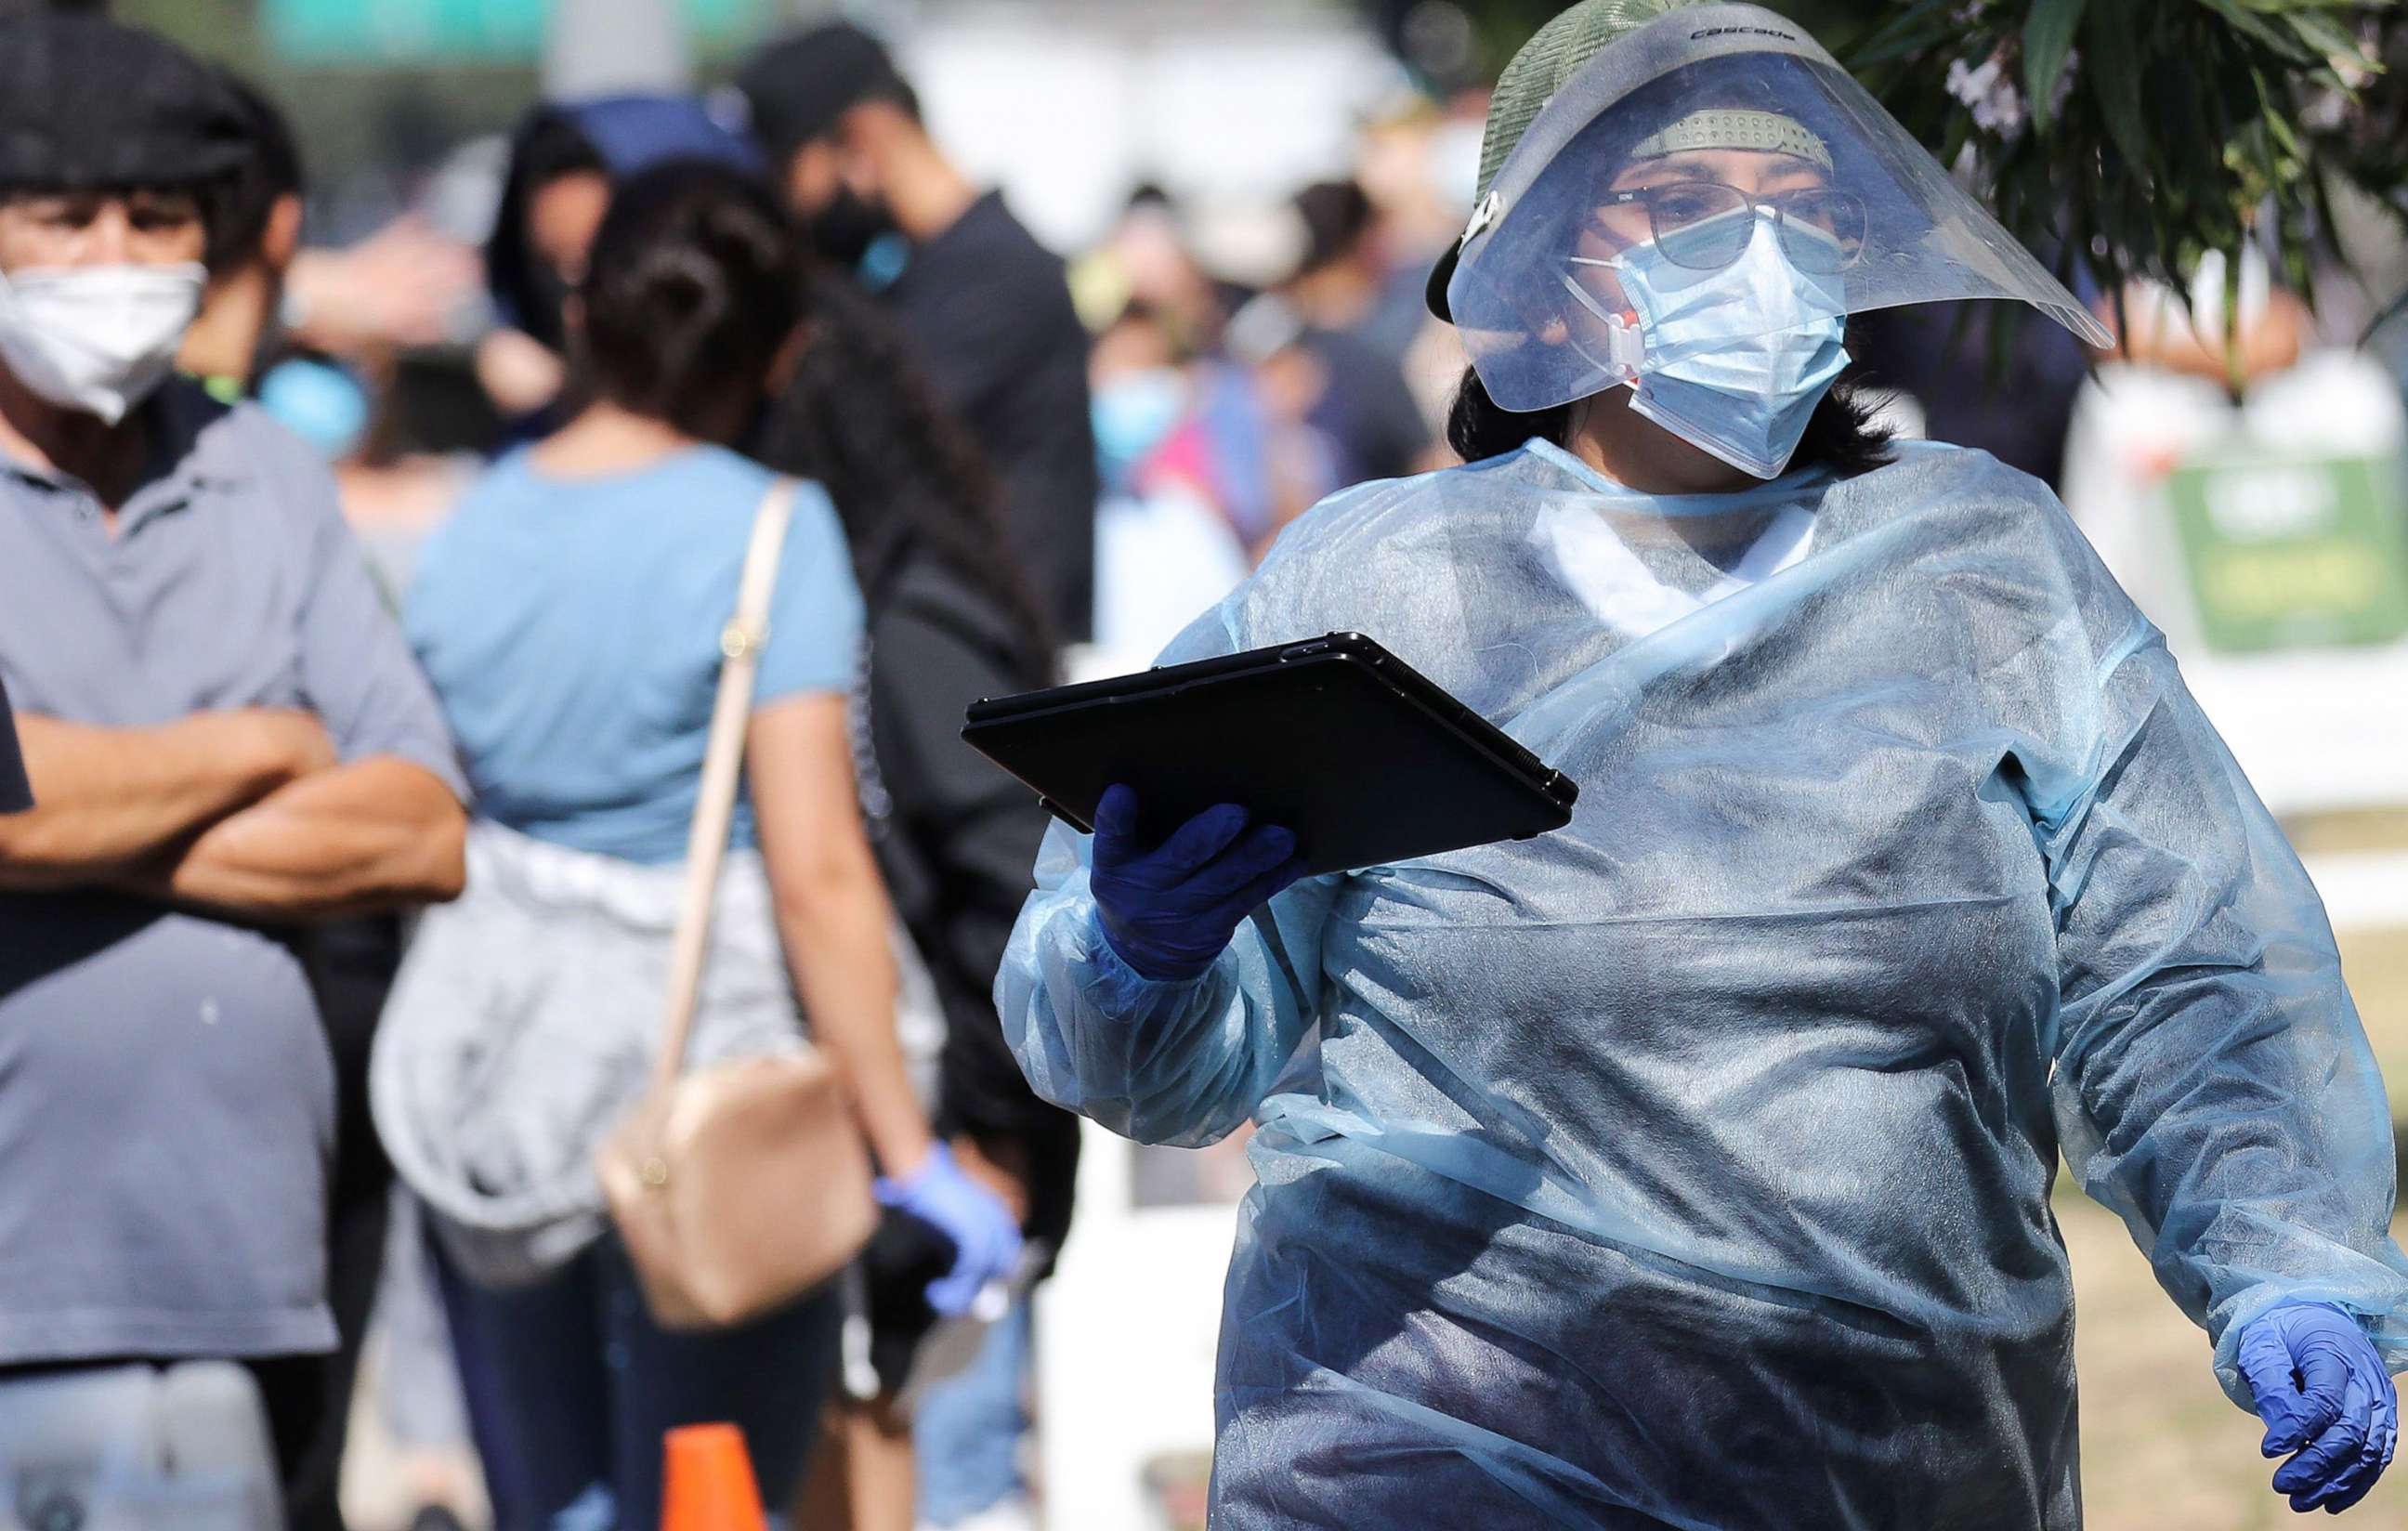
1690	1166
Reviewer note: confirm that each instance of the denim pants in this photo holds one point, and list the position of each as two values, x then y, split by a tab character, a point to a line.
571	1386
138	1443
966	1431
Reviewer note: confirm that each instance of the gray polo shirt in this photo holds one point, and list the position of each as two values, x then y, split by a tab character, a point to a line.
167	1100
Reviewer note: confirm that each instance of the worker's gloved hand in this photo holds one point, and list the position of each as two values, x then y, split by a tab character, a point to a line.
986	1240
1169	909
2321	1389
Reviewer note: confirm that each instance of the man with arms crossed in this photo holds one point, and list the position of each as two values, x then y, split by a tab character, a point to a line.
226	738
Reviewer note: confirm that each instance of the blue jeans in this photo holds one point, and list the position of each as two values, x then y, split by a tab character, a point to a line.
571	1386
965	1433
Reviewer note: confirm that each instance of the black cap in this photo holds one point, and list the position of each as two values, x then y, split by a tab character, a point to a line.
86	102
800	85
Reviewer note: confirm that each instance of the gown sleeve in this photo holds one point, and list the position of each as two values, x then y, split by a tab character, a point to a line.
1183	1062
1162	1061
2211	1083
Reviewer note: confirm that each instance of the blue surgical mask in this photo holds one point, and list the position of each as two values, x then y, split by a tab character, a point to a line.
319	401
1732	360
1133	413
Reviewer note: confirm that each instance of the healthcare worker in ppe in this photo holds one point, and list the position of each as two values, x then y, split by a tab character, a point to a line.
1690	1166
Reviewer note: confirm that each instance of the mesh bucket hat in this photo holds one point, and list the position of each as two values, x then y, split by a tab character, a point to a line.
1552	56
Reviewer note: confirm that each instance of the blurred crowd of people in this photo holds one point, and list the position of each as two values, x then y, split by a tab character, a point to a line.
1230	369
494	498
257	741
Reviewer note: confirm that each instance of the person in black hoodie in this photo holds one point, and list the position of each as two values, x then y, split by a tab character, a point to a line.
565	159
950	620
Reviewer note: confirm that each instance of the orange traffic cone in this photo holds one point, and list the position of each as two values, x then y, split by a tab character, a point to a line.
708	1482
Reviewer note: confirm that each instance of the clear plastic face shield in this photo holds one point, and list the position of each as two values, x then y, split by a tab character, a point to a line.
1696	213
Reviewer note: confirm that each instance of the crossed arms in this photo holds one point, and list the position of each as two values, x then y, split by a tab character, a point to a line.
244	812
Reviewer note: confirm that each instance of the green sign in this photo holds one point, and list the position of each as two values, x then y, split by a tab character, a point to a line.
2294	551
355	32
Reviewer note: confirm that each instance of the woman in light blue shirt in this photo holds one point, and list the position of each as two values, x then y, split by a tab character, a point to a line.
569	617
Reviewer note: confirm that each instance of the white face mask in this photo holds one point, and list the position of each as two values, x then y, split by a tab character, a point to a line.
97	338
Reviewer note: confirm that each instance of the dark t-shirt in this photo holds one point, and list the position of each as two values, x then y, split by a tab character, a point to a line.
16	795
988	311
1367	411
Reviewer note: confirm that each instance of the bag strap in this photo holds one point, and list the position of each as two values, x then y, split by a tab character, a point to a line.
723	765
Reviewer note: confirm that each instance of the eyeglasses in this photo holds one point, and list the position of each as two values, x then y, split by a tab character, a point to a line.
1705	224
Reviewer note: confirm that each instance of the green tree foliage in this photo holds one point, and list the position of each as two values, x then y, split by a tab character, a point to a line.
2135	135
2142	133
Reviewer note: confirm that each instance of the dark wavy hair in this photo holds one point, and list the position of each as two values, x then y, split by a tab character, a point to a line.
693	288
1839	434
860	417
547	146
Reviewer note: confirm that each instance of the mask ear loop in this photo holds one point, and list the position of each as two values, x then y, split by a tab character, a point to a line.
1625	345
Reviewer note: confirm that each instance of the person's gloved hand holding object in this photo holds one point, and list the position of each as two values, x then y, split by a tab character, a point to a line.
1168	910
2321	1389
986	1241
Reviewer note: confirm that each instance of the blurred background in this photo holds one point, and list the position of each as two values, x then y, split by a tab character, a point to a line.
1250	193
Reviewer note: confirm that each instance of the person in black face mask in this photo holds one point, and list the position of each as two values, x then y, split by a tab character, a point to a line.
985	306
848	227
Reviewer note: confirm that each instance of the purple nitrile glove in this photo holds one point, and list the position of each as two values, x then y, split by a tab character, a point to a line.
986	1240
1168	910
2320	1386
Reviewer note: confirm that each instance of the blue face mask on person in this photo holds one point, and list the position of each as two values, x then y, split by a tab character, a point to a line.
1733	360
321	402
1132	414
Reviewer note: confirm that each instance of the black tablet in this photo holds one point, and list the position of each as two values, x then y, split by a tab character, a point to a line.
1334	738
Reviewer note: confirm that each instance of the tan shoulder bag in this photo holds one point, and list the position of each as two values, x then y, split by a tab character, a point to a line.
739	1186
